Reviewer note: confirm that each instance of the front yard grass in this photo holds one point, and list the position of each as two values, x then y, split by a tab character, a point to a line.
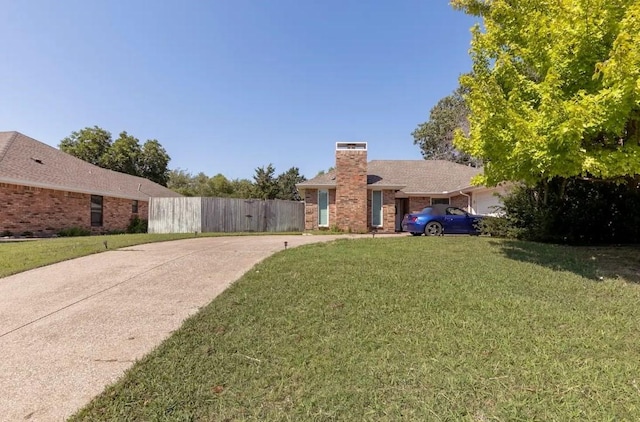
445	328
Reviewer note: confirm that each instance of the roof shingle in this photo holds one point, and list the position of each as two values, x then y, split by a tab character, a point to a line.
414	176
25	161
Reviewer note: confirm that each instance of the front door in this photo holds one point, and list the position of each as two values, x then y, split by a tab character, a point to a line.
402	205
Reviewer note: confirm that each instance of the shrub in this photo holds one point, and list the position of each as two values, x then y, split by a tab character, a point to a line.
6	233
74	232
572	211
498	227
137	225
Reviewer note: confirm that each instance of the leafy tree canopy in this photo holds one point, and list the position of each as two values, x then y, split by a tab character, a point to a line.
555	89
286	183
435	136
265	185
89	144
125	154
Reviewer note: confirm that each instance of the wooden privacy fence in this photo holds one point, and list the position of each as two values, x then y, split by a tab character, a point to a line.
190	215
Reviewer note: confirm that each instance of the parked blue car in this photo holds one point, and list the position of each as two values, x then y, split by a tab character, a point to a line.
439	219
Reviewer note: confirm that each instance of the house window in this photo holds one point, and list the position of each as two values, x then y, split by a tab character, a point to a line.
323	208
134	207
435	201
376	208
96	210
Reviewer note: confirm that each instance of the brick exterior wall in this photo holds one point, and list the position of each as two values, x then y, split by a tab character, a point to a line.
351	190
311	208
388	212
460	201
418	203
45	212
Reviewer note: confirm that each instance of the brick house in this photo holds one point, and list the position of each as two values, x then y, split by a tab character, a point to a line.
44	190
360	196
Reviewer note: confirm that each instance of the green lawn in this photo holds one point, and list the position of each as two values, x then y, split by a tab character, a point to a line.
451	328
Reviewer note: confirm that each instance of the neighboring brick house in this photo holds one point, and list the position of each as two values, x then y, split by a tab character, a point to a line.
44	190
359	196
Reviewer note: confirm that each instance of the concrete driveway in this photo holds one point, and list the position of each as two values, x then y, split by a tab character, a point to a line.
69	329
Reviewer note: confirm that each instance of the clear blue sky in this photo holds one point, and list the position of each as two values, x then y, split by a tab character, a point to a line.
230	85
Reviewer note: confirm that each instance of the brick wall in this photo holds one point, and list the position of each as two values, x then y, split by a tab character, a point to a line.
45	211
311	208
460	201
351	190
388	212
418	203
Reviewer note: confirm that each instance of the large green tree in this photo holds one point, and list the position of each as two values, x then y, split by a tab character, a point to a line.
555	89
286	183
89	144
435	136
266	186
154	162
95	145
124	155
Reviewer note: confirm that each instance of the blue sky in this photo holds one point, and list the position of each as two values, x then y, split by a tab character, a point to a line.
230	85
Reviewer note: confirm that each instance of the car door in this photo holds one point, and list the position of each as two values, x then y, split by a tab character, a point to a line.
456	221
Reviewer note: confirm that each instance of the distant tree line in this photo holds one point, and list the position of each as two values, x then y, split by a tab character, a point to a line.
150	160
265	184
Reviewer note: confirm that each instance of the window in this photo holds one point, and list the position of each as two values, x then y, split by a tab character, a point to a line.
455	211
435	201
323	208
134	207
376	208
96	210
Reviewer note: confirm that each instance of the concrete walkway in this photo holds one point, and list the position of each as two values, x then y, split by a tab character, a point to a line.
69	329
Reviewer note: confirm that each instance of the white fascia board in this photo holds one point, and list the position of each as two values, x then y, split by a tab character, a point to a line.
316	186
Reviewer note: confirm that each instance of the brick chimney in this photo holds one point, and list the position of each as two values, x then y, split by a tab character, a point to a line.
351	186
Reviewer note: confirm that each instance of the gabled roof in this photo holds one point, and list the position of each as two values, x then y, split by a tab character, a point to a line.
25	161
413	177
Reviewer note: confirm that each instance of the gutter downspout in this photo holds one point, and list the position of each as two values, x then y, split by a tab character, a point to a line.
468	201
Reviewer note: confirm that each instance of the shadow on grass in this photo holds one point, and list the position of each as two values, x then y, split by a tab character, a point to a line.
592	262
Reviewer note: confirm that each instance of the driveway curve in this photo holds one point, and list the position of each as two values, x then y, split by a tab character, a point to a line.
69	329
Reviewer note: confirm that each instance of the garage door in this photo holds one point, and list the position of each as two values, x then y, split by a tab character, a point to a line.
485	203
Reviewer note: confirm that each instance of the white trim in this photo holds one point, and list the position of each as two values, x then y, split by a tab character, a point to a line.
381	208
327	192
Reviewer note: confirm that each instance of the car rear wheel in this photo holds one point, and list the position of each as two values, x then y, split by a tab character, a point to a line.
433	228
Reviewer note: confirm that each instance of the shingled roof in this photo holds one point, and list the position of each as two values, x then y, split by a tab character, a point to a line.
25	161
413	177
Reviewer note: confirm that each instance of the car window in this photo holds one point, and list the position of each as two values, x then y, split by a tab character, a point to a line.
455	211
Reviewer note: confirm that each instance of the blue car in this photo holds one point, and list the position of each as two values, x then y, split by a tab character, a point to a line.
441	219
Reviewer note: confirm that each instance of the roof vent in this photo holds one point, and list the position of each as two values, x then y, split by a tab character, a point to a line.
37	160
351	145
